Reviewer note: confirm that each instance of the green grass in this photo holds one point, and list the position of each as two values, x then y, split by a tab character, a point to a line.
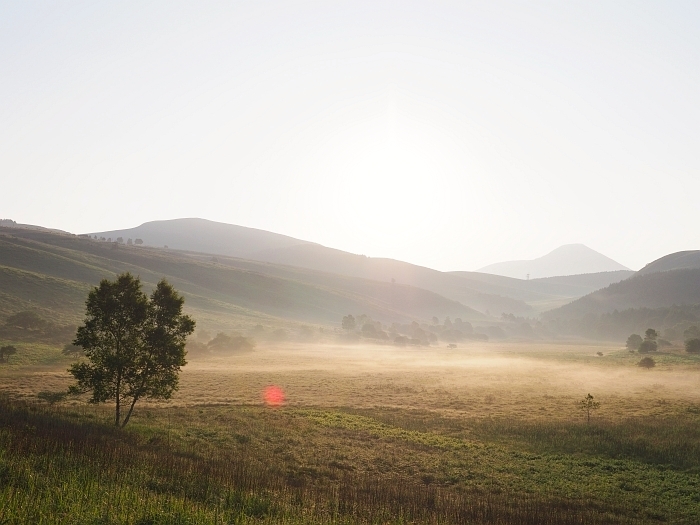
247	464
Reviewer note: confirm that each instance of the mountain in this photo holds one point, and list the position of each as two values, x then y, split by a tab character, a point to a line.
570	259
52	272
673	261
486	293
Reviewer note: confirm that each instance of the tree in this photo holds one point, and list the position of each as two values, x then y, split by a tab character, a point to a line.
647	346
647	362
120	239
129	242
692	332
634	341
138	241
27	320
692	346
651	334
588	404
348	323
6	352
134	345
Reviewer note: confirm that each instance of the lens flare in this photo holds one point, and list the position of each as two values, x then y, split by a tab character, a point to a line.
273	396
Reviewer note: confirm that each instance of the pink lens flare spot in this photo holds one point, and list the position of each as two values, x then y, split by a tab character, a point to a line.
273	396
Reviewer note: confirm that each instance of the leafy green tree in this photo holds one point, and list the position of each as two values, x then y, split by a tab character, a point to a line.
651	334
634	341
134	345
6	352
648	346
693	346
588	404
348	323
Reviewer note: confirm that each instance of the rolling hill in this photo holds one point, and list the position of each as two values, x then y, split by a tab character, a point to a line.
51	272
673	261
483	292
653	290
570	259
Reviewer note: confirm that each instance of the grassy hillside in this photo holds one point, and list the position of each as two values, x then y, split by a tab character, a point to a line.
654	290
674	261
52	272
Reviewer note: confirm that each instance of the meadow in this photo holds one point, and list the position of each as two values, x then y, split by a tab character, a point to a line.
483	433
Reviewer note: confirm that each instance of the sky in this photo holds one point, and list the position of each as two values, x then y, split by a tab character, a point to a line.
447	134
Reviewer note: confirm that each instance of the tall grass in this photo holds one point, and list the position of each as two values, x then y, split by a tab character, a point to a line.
57	469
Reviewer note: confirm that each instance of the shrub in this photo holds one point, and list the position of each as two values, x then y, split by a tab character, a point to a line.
693	346
647	362
6	352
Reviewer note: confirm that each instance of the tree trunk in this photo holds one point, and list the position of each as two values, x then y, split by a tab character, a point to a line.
128	414
117	414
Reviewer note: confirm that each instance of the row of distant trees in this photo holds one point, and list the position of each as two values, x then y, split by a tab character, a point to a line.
119	240
414	333
651	341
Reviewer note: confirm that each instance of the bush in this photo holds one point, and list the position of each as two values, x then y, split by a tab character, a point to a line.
693	346
634	341
647	346
234	343
647	362
6	352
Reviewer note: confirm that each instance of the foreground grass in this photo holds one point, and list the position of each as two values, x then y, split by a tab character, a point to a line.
369	435
243	464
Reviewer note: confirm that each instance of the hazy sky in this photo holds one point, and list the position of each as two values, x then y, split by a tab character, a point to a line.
449	134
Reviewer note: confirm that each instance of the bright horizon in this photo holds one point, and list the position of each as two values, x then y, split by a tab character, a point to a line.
440	134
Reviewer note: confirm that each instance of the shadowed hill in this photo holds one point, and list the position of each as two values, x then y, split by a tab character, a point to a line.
653	290
52	272
570	259
673	261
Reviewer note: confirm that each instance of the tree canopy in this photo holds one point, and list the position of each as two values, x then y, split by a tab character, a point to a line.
134	345
6	352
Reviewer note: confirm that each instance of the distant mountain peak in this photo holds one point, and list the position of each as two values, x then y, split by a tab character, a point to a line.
569	259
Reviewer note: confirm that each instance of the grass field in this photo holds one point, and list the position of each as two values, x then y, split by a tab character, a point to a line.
485	433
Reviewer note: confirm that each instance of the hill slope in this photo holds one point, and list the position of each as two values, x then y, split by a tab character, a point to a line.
495	294
673	261
653	290
570	259
52	272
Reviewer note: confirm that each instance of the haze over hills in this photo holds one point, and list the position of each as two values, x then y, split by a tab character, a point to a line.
495	294
672	282
570	259
52	272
